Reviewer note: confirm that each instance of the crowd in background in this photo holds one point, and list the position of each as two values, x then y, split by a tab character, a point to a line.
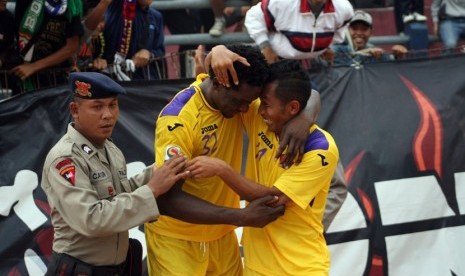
42	41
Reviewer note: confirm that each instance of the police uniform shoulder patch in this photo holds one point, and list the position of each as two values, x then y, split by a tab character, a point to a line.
172	150
63	163
68	173
87	149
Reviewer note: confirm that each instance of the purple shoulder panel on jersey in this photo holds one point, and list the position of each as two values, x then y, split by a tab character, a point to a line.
315	141
176	105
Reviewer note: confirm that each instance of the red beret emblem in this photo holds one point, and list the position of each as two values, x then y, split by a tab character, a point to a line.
82	89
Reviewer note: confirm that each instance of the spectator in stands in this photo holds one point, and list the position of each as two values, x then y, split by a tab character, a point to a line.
357	48
48	38
236	15
193	21
448	20
220	21
94	14
90	55
226	16
93	17
7	41
134	39
406	11
7	34
297	29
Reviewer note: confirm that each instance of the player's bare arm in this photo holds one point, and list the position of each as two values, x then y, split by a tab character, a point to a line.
184	206
204	167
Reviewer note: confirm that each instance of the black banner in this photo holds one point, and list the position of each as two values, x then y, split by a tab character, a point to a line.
400	128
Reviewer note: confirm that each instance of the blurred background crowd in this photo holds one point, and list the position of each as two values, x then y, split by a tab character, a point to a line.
42	41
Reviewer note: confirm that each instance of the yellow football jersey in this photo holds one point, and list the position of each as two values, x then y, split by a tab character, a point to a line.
293	244
189	125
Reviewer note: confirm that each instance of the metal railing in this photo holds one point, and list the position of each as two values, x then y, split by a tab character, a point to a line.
243	37
192	4
237	37
178	65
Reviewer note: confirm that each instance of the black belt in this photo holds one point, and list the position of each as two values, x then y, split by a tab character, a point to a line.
109	270
64	264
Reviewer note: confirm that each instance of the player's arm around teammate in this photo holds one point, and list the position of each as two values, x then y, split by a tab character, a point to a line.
293	136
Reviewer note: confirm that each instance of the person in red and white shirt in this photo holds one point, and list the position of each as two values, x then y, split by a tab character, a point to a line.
297	29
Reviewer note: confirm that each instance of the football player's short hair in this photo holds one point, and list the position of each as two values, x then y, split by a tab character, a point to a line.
256	74
294	81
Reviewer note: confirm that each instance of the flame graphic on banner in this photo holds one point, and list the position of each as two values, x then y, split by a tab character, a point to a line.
427	144
376	266
367	204
349	173
352	167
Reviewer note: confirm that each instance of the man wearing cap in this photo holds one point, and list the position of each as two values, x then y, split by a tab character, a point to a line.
358	49
94	204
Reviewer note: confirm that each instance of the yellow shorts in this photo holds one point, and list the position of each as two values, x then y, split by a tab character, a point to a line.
250	272
171	256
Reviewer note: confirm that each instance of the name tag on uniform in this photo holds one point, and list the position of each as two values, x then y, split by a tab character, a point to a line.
98	175
122	173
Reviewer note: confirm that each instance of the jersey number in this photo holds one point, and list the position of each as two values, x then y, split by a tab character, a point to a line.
260	153
210	144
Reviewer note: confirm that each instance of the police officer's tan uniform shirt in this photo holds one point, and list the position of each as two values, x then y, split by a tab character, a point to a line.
92	205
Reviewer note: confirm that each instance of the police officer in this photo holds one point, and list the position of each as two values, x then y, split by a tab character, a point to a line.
93	202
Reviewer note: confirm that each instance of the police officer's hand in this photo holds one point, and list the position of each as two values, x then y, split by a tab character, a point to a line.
164	177
260	212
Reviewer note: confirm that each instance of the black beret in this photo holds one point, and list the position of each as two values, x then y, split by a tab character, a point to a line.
92	85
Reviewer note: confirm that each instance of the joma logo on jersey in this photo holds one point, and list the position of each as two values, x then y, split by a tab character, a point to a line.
265	139
209	128
171	128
